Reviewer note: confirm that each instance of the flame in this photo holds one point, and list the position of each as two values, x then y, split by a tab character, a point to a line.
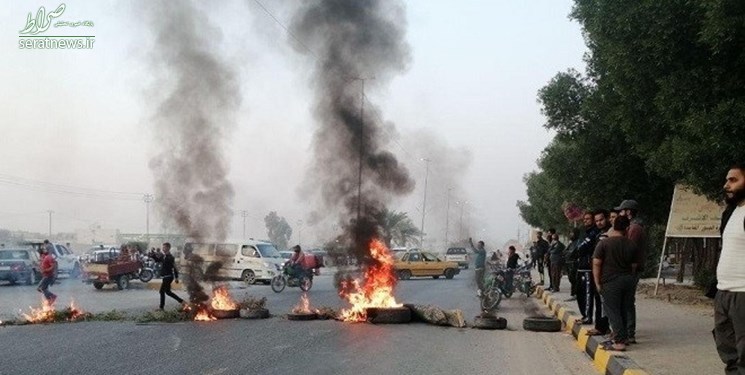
203	315
377	291
303	307
47	313
221	299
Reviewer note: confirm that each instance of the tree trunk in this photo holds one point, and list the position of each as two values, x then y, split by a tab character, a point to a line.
682	261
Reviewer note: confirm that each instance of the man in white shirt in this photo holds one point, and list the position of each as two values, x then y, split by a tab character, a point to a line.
729	304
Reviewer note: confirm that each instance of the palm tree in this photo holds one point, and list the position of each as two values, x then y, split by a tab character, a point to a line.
397	227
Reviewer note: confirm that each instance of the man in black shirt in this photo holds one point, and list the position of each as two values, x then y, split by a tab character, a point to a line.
169	272
541	252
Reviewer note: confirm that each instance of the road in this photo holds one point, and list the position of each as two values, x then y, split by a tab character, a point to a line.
277	345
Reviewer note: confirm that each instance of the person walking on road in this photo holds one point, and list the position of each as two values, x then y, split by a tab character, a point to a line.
48	267
729	302
169	273
614	265
479	264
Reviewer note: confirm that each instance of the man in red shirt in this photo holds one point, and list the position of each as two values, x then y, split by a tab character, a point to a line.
48	265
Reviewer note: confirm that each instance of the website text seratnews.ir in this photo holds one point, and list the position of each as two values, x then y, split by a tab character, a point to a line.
56	42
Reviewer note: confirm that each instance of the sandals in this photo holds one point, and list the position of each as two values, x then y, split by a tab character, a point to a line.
613	346
594	332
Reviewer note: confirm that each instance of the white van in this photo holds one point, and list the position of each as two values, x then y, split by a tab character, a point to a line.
249	260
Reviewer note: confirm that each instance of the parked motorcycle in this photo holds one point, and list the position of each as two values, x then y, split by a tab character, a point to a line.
286	278
491	296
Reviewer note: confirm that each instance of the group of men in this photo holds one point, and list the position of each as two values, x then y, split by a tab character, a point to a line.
603	262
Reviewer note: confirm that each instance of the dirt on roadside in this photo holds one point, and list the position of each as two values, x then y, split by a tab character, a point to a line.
676	294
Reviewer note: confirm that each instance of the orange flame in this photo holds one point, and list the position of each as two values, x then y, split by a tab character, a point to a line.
377	291
303	307
203	315
221	299
46	314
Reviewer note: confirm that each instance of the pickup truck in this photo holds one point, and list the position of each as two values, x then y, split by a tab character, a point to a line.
458	255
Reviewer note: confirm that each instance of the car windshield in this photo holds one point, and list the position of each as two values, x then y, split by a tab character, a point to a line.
268	251
10	254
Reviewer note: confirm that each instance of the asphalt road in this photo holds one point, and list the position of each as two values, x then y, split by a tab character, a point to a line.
277	345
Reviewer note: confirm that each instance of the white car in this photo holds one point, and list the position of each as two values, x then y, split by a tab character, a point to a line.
67	262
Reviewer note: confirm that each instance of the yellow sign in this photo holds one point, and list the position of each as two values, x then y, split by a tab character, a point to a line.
692	215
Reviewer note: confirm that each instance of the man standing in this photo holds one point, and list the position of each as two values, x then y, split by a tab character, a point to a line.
585	291
595	299
556	261
570	262
614	266
48	266
541	252
169	272
479	264
636	233
729	303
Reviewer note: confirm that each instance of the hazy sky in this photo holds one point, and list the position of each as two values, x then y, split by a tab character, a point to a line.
81	118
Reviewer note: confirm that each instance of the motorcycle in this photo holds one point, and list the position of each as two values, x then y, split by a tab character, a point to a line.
146	272
516	280
286	278
491	296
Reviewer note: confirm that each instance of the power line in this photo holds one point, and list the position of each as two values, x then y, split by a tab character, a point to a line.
49	187
286	29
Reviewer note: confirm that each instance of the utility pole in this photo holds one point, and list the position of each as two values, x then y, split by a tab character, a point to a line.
424	203
461	217
299	232
447	219
50	223
148	198
244	214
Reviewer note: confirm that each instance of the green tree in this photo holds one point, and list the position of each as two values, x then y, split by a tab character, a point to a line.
278	230
397	227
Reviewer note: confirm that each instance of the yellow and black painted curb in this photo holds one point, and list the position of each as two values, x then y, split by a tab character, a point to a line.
605	362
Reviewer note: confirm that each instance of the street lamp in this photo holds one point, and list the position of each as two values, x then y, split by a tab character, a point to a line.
424	203
447	218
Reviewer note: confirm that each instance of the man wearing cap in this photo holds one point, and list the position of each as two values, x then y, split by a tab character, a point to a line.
636	233
729	302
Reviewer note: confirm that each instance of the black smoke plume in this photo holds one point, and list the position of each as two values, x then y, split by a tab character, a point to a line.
352	42
197	94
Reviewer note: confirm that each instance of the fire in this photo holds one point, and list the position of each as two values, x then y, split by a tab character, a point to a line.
377	291
221	299
203	315
303	307
47	313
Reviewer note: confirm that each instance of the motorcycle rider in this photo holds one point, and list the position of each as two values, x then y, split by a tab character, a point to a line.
296	261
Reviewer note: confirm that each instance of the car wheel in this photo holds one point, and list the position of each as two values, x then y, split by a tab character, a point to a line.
435	277
248	277
488	321
98	286
122	282
449	273
542	324
404	274
394	315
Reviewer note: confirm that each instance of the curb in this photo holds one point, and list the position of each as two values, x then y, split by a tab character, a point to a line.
605	362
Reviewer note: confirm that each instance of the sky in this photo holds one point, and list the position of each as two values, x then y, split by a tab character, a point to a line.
76	133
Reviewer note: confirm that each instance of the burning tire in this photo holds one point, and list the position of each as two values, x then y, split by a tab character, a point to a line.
122	282
306	283
404	274
278	284
487	321
248	277
225	314
542	324
391	315
302	316
254	314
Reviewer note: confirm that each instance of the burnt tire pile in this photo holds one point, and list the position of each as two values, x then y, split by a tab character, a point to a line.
393	315
542	324
302	316
489	322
